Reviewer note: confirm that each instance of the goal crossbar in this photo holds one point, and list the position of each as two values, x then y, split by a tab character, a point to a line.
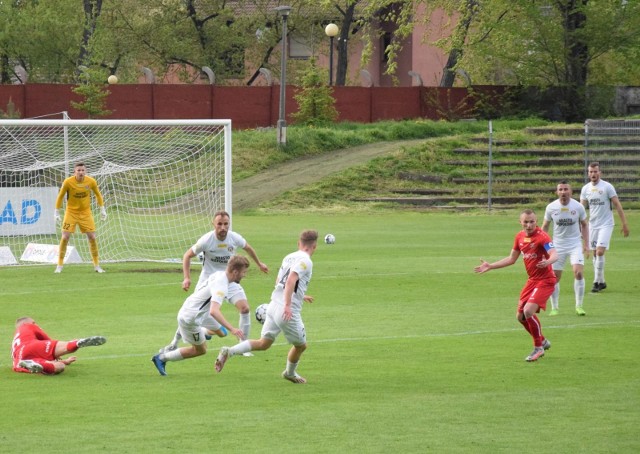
161	180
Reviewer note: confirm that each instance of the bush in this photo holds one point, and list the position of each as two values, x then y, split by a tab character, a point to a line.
315	100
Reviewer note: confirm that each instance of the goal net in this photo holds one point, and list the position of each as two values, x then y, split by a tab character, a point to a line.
615	144
161	181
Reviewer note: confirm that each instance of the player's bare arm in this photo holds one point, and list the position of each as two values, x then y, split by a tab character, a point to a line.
186	269
553	257
625	228
584	231
507	261
252	253
289	288
215	313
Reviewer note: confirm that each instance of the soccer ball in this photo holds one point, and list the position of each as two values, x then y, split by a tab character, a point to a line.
261	313
329	239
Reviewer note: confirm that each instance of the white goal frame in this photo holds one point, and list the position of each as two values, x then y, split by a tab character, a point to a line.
192	134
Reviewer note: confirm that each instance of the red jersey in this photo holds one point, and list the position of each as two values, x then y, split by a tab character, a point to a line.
30	342
534	249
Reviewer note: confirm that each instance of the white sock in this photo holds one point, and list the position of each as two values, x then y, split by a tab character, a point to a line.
291	368
555	296
599	266
578	288
176	337
245	324
239	349
174	355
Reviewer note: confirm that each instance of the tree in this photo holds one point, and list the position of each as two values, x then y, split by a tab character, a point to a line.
315	100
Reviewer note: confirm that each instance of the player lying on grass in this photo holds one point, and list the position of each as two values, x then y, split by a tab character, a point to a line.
33	351
205	301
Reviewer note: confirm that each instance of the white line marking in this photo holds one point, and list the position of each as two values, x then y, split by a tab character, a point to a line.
411	336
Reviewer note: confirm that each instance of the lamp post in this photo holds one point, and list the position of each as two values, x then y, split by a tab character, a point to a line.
331	31
283	11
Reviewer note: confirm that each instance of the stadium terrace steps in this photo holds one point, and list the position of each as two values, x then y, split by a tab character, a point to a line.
524	171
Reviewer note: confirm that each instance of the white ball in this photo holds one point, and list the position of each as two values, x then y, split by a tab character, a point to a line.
261	313
329	239
112	79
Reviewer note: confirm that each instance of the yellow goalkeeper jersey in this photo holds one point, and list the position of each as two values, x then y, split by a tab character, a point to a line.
79	194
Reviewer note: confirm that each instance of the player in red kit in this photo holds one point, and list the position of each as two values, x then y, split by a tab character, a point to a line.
538	252
34	352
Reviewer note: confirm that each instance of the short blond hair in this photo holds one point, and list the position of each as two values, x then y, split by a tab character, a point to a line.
238	262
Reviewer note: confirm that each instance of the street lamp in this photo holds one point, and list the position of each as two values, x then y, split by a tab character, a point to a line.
331	31
283	11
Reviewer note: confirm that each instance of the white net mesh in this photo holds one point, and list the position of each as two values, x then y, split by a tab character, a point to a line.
615	144
161	182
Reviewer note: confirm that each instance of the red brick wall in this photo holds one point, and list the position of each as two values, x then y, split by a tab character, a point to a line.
247	107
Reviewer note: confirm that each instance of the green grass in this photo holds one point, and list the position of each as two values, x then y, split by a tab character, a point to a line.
409	351
254	150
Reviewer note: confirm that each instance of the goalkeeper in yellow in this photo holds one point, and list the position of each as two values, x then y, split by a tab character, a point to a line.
77	189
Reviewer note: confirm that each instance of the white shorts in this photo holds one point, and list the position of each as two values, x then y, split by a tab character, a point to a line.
575	256
194	331
600	237
274	324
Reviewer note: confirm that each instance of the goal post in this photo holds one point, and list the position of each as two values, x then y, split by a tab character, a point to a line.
161	181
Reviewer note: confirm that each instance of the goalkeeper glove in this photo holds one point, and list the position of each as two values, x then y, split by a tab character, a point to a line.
103	213
56	216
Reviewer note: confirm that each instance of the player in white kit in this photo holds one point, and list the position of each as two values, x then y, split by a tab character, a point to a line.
571	240
203	303
217	247
284	310
600	198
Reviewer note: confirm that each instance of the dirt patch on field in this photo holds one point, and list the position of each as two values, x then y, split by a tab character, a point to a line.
270	183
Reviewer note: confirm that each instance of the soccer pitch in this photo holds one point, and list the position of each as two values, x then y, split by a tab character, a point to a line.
409	351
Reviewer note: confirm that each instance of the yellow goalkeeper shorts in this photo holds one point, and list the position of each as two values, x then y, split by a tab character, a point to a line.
83	219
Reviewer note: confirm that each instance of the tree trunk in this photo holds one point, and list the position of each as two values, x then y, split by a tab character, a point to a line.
460	36
576	60
342	45
92	10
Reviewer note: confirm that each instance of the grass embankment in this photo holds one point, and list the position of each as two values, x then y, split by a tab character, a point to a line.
257	150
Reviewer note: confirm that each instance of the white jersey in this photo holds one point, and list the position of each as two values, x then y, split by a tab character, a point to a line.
301	263
566	222
217	253
600	208
197	306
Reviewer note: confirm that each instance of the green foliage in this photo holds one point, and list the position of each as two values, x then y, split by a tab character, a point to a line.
315	100
10	111
412	342
94	93
254	150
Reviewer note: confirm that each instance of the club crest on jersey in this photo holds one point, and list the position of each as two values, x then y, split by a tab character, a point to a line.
527	240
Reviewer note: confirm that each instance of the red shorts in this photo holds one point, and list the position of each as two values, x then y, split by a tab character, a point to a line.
42	349
537	292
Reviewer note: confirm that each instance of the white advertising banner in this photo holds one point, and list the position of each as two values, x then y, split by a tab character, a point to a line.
27	211
48	253
6	256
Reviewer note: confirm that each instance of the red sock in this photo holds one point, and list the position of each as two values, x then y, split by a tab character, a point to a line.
525	323
72	346
536	330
